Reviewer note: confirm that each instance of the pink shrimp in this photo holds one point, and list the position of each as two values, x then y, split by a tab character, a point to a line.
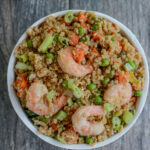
118	94
36	103
85	127
68	64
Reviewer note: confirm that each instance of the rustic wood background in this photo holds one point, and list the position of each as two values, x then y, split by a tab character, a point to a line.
17	15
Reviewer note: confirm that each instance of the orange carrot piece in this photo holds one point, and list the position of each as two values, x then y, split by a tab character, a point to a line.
122	78
18	94
22	81
84	25
74	38
82	46
120	45
82	17
96	35
94	50
50	31
133	99
78	54
54	127
66	23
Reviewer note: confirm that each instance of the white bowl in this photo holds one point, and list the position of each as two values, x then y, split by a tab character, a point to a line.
17	107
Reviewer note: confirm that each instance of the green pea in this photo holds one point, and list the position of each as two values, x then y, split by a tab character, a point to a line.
97	100
30	43
127	117
89	140
116	122
92	86
65	84
111	74
138	93
105	80
112	38
105	62
95	27
108	107
80	31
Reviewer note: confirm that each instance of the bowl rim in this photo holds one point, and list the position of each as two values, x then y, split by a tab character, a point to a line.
18	109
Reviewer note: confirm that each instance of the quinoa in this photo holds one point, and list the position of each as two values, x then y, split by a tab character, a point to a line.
110	45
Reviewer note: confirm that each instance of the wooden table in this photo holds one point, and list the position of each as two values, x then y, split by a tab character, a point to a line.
17	15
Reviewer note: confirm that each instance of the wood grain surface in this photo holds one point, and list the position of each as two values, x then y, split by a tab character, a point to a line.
17	15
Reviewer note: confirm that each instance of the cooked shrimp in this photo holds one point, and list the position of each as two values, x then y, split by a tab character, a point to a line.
85	127
68	64
118	94
36	103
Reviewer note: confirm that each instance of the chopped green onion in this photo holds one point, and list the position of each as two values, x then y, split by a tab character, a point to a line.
62	140
64	41
89	140
127	67
92	86
97	100
105	80
46	43
108	107
65	84
44	119
122	54
61	115
80	31
127	117
111	74
30	43
21	66
69	101
95	27
30	113
50	56
116	122
112	38
83	39
77	92
23	58
56	35
51	95
133	64
138	93
105	62
69	17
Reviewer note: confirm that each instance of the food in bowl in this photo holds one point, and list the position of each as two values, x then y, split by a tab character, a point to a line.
78	78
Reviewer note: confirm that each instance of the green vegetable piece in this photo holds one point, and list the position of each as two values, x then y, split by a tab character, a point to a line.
61	115
111	74
69	17
105	80
44	119
92	86
30	43
116	122
108	107
21	66
77	92
127	67
83	39
112	38
78	100
97	100
56	35
133	64
50	95
89	140
69	101
62	140
107	33
70	83
50	56
127	117
95	27
122	54
23	58
138	93
99	92
64	41
118	113
80	31
46	43
105	62
65	84
30	113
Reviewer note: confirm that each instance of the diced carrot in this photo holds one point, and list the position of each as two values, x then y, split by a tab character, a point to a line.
50	31
133	99
84	25
66	23
78	54
94	50
82	17
96	35
83	46
23	84
18	94
22	81
74	38
101	34
54	127
122	78
126	74
120	45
